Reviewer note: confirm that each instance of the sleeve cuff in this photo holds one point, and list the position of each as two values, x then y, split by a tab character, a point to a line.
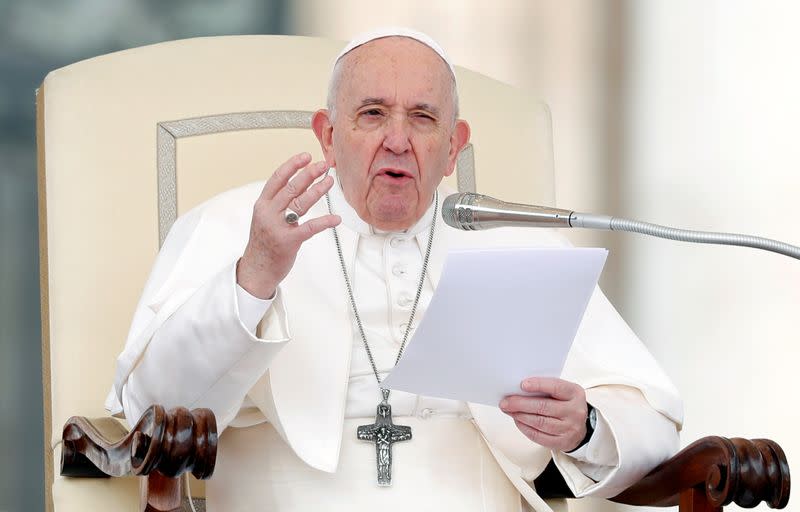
601	449
598	457
251	309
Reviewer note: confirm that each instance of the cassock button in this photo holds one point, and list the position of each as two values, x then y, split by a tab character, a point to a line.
404	326
404	300
426	413
399	270
395	242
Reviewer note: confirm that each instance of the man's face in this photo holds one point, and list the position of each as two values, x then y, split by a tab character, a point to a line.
393	137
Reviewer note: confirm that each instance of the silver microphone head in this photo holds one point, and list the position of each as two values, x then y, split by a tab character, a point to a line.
455	214
470	211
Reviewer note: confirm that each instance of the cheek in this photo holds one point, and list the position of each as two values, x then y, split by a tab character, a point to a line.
358	150
434	156
353	158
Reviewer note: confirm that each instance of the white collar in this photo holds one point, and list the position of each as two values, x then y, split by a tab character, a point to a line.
350	218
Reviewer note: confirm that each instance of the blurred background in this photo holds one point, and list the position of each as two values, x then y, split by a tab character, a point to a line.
683	113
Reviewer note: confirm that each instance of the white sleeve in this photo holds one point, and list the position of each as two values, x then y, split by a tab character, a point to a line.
204	355
194	340
634	438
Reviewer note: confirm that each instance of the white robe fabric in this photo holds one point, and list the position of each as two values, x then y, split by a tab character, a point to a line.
188	346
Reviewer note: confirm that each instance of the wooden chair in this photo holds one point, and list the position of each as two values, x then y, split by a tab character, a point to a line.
130	140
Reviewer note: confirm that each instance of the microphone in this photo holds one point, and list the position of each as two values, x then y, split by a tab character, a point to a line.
472	212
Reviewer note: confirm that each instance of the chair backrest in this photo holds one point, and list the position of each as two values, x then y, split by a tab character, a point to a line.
128	141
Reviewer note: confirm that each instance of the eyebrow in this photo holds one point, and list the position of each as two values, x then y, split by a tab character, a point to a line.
382	101
427	107
372	101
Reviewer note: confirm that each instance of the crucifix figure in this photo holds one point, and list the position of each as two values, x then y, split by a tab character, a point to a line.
384	433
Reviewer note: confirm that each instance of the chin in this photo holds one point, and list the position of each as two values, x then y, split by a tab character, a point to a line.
393	215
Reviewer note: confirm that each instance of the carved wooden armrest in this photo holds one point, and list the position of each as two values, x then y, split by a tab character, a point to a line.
703	477
161	446
713	472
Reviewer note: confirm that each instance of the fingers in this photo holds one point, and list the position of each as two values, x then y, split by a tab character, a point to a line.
307	199
541	406
283	173
557	388
553	442
556	421
290	187
546	424
311	227
290	195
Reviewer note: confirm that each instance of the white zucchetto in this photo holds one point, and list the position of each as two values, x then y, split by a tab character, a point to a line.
395	32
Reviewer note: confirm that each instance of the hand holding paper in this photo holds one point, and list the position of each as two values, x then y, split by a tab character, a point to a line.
497	318
557	419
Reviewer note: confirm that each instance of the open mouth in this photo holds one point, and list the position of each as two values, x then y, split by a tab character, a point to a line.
395	174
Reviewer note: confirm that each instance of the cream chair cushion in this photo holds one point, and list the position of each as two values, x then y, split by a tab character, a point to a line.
129	140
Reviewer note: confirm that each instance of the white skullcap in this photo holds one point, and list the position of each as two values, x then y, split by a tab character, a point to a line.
396	32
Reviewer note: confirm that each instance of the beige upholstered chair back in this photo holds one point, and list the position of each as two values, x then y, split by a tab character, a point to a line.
129	140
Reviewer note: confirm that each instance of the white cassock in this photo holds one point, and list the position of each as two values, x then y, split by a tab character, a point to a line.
298	377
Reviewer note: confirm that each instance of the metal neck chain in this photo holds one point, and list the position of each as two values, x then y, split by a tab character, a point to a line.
426	259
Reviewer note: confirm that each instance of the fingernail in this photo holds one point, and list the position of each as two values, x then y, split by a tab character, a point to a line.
504	404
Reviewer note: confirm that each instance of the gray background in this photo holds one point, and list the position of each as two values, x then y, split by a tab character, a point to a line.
37	36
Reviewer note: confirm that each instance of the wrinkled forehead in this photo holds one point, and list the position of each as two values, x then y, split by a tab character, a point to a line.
397	50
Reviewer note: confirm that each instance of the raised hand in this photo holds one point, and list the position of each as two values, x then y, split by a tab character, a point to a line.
273	245
556	420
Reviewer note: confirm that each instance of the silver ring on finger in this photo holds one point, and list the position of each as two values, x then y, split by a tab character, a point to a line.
290	216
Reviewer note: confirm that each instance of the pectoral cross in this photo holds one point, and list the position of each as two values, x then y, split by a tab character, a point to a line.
384	433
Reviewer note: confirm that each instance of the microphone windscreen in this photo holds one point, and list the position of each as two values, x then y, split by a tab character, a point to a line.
449	210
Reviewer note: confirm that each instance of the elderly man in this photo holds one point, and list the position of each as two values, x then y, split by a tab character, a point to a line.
286	328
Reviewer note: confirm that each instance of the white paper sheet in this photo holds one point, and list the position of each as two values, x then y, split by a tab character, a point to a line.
497	317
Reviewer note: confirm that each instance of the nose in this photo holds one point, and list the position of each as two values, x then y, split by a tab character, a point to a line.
396	138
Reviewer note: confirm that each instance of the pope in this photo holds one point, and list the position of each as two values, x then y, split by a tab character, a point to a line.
303	291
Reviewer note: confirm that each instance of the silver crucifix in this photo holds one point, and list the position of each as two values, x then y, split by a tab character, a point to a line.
384	433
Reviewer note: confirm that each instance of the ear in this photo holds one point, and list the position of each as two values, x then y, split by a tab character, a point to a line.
323	129
458	140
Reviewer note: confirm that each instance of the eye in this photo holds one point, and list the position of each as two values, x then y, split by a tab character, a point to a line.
373	112
424	116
